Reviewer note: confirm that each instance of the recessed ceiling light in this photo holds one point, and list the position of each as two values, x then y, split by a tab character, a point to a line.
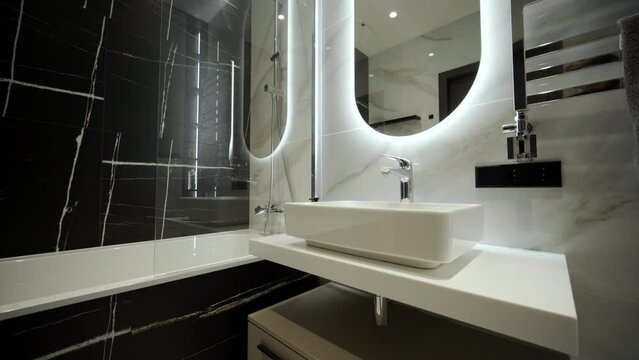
281	16
371	75
431	54
392	14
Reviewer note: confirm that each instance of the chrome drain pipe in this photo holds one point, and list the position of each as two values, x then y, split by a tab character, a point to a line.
381	310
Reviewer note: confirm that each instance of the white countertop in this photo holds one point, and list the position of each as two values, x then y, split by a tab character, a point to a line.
519	293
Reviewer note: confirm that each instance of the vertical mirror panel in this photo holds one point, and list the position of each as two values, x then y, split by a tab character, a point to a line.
203	187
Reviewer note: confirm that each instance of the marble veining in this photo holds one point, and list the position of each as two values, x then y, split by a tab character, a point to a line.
116	152
13	59
112	334
247	297
167	84
49	88
166	194
110	331
84	344
221	306
168	26
78	140
157	164
207	65
53	323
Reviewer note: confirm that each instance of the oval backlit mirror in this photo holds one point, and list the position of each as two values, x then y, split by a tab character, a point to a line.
415	61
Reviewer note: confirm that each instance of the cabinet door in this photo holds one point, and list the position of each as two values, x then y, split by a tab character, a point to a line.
262	346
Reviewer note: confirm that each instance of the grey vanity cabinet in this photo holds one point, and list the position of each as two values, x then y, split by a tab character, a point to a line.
334	322
273	335
263	346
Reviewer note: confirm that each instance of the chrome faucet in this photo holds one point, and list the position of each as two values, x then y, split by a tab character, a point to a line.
405	174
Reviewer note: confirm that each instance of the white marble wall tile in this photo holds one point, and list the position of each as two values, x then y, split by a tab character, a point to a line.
592	132
447	160
291	159
592	218
355	173
263	23
296	157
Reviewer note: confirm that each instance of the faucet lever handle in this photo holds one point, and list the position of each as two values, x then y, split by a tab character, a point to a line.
403	163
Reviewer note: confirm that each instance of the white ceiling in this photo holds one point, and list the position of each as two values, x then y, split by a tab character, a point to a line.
415	18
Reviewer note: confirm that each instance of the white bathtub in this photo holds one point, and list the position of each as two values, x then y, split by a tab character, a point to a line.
39	282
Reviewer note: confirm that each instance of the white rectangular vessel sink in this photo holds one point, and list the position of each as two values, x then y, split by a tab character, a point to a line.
422	235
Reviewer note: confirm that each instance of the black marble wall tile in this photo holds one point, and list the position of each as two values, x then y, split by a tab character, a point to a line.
133	65
56	48
80	226
101	98
39	158
127	70
31	336
226	349
131	105
32	104
199	317
128	191
10	10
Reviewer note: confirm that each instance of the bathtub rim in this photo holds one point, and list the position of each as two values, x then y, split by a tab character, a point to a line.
30	306
137	243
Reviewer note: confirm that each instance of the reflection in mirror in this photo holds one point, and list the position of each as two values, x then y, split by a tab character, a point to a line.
206	101
266	120
415	61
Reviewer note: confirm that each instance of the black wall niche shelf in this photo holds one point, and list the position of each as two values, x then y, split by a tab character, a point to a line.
538	174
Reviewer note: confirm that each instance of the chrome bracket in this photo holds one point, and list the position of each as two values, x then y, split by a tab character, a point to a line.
521	142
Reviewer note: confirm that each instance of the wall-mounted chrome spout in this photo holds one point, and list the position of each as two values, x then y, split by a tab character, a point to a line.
405	174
